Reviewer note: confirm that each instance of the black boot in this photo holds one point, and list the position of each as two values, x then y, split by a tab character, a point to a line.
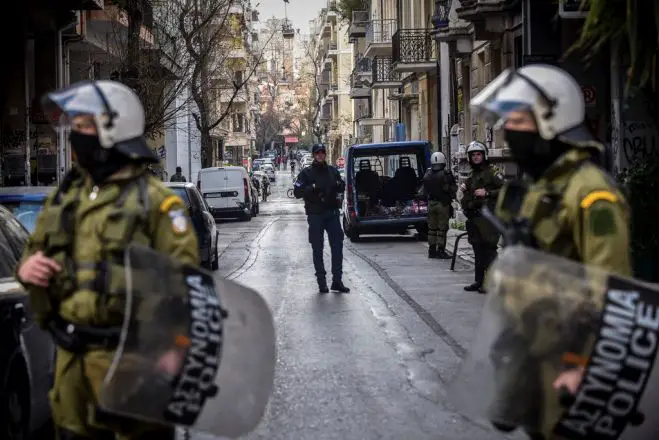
473	287
322	286
338	286
443	255
432	251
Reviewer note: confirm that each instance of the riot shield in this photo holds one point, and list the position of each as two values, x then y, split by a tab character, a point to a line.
547	318
196	350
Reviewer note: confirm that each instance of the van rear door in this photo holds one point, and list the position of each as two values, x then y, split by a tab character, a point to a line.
213	188
235	187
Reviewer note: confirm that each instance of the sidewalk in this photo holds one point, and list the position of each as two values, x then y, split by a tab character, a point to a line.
465	250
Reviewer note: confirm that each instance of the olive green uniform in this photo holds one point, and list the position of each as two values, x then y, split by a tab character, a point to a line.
575	211
439	187
483	237
86	231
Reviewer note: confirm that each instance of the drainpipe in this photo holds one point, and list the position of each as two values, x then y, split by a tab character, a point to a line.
28	171
438	96
63	146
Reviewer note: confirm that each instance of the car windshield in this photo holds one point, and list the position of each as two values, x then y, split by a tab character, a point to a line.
26	212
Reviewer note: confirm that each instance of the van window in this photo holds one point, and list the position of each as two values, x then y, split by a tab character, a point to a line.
212	179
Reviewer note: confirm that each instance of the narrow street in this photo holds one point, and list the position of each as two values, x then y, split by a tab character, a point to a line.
371	364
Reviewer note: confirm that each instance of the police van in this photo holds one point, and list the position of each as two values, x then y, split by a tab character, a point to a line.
228	192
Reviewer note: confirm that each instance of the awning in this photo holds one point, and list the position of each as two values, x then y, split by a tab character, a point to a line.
290	140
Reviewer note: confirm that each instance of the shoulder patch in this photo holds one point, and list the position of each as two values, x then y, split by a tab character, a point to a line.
179	221
169	202
596	196
601	221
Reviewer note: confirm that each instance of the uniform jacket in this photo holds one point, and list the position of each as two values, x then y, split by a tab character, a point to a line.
574	210
319	185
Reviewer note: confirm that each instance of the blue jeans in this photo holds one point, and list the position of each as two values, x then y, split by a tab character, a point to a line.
318	224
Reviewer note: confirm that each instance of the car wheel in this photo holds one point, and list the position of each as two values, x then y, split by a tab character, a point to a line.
246	217
15	406
215	263
350	231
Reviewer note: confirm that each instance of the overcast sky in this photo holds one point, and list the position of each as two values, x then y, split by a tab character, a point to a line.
299	11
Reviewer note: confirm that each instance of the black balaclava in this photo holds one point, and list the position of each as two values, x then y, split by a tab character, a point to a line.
533	154
100	163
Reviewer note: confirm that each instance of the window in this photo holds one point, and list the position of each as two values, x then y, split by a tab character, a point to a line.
238	77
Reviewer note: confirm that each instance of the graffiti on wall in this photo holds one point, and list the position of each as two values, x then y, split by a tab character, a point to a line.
641	139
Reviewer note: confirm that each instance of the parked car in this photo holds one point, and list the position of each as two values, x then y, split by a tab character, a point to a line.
202	220
25	202
382	188
228	192
26	353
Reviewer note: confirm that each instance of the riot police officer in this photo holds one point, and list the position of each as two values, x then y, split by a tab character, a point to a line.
569	205
72	265
565	205
480	189
321	187
439	188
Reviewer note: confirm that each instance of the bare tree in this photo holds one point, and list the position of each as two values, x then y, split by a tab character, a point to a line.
215	43
143	52
311	76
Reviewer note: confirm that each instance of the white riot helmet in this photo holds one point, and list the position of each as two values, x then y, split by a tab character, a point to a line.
437	159
116	109
474	147
553	97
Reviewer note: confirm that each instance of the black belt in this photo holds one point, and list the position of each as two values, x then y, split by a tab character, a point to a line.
79	338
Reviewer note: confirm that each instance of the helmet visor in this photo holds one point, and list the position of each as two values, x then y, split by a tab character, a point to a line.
80	99
510	92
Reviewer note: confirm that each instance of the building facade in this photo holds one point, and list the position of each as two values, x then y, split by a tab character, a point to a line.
334	63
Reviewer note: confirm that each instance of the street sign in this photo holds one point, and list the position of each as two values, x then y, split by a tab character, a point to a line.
340	162
589	95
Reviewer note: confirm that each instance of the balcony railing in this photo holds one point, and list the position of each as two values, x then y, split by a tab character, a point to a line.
363	65
412	46
382	72
381	31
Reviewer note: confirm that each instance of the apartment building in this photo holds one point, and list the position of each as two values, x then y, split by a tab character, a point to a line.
238	129
394	82
334	60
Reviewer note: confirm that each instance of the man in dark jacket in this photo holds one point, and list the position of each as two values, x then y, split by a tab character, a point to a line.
321	187
178	176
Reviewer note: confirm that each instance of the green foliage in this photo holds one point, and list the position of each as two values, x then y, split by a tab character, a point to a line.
635	22
456	224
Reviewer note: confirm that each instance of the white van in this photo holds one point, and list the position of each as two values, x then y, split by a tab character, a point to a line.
228	192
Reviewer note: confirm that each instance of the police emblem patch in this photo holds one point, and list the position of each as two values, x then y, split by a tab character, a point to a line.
179	221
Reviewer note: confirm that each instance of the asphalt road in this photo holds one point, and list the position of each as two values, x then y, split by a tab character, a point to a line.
371	364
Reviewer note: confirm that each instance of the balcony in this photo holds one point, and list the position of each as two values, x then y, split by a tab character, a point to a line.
413	50
326	112
240	98
445	30
333	49
358	24
489	17
361	79
333	90
378	37
383	75
332	15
